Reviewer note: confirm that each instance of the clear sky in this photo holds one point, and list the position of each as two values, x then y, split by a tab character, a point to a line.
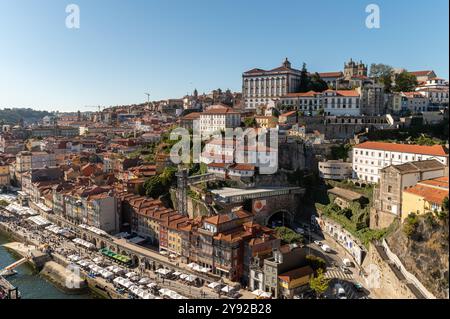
169	47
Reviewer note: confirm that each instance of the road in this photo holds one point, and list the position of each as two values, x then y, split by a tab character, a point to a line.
334	260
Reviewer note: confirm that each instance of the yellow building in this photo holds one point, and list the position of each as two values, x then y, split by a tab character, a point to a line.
293	281
426	196
4	174
266	121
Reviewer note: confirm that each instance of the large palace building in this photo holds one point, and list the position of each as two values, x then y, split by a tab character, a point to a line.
260	86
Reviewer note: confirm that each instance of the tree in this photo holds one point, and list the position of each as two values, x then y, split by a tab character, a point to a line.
288	236
316	263
250	122
317	84
311	82
159	185
319	283
382	73
304	79
405	82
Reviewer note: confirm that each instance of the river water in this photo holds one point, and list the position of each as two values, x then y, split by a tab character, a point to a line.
31	285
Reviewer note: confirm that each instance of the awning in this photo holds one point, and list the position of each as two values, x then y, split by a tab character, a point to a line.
214	285
258	292
227	289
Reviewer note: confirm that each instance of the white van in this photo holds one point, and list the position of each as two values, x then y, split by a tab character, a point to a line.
325	248
347	262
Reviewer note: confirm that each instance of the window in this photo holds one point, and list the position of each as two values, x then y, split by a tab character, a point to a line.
389	189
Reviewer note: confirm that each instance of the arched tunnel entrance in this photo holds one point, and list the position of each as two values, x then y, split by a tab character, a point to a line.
279	218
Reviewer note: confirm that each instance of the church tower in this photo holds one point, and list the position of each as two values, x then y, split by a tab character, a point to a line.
287	64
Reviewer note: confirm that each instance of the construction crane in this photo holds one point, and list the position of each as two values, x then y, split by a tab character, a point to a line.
92	106
148	100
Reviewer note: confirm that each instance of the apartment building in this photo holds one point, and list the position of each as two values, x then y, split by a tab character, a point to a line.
284	259
370	157
425	197
90	205
414	102
394	179
335	169
26	161
218	118
332	102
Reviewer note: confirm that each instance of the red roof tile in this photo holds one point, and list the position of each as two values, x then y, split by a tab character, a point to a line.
436	150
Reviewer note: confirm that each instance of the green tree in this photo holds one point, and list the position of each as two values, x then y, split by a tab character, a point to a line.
3	203
317	84
304	79
382	73
377	70
410	225
288	236
316	262
250	122
319	283
405	82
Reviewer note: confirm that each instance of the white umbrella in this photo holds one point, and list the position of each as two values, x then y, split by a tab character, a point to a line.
144	281
163	291
227	289
191	265
183	276
148	295
214	285
258	292
191	278
131	274
197	268
151	285
266	295
176	273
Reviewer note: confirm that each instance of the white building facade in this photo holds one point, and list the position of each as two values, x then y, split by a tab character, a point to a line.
218	118
260	86
370	157
333	102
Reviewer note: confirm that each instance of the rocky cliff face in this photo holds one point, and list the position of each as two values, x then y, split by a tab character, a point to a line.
295	155
425	253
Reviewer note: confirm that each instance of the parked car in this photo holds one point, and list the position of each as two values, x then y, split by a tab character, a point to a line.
347	262
318	243
346	270
340	291
358	287
300	231
325	248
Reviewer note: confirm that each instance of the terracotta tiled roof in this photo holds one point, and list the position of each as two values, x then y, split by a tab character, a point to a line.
242	167
288	114
441	182
436	150
429	193
306	94
191	116
421	73
325	75
296	273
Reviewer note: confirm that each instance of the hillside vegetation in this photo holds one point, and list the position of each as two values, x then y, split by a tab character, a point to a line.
14	115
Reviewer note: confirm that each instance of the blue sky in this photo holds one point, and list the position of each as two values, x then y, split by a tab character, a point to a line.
168	48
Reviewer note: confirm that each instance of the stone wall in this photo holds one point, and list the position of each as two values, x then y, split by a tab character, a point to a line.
384	279
380	219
